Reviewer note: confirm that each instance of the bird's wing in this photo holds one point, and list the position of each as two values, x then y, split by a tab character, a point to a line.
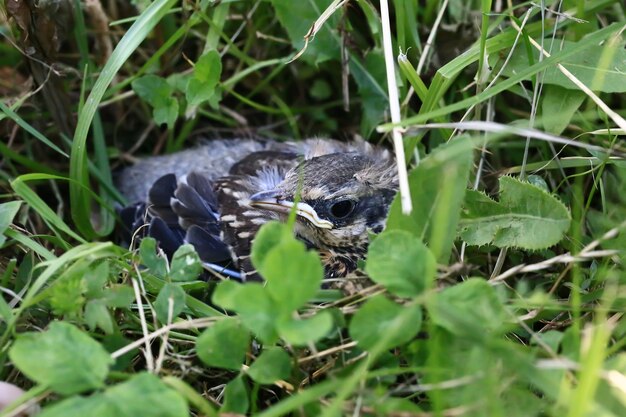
260	171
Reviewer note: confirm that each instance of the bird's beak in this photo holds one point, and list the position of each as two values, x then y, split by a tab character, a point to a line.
273	201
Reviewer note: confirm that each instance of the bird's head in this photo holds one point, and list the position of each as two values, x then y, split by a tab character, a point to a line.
342	196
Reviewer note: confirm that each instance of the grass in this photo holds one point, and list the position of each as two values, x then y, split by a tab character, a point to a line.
524	321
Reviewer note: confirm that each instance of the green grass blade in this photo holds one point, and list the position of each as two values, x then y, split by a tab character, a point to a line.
79	198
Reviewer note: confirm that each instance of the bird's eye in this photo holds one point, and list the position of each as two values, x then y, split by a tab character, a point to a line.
342	209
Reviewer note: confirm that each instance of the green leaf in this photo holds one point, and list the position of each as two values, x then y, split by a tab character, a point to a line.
293	273
437	188
526	217
63	358
254	306
236	397
470	309
401	262
156	91
303	332
206	75
379	318
224	345
186	265
269	236
97	315
118	296
66	295
95	278
177	296
273	364
7	213
149	257
297	17
558	105
142	395
599	67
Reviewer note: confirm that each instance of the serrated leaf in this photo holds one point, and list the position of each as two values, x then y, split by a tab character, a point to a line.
96	277
253	305
142	395
437	188
303	332
470	309
273	364
63	358
526	217
169	293
186	265
381	318
401	262
97	315
224	345
7	214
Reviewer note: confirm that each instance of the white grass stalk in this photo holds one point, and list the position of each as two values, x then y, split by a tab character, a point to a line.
619	120
394	107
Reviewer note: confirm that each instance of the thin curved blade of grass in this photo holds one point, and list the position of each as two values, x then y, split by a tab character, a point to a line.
80	199
36	203
46	213
27	127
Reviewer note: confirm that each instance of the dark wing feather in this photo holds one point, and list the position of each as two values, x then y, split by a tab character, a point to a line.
186	211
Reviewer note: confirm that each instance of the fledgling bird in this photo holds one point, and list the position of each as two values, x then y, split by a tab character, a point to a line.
217	196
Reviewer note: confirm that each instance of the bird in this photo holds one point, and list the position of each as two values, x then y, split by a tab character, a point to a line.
217	196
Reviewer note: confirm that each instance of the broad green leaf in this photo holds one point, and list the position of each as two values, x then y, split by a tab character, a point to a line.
298	17
236	397
186	265
268	237
558	105
437	188
379	318
254	306
149	257
273	364
156	91
223	345
118	296
206	75
169	293
470	309
97	315
7	213
600	66
293	273
401	262
142	395
526	217
370	76
62	357
303	332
